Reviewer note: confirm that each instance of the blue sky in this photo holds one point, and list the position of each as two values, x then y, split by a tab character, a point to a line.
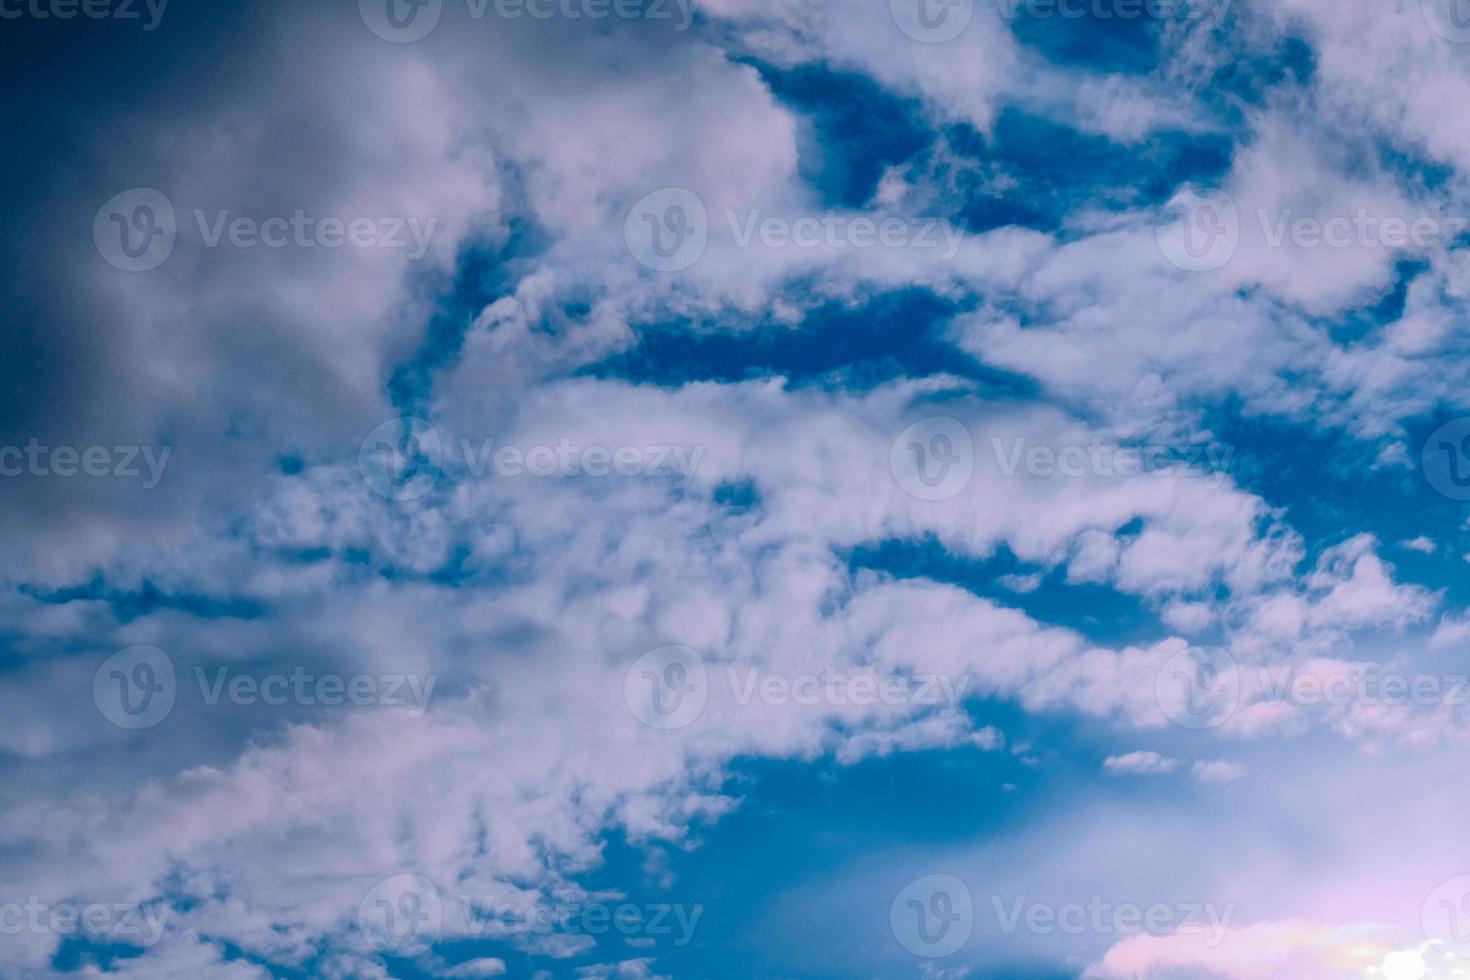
631	489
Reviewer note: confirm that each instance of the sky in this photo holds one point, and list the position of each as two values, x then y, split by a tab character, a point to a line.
631	489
